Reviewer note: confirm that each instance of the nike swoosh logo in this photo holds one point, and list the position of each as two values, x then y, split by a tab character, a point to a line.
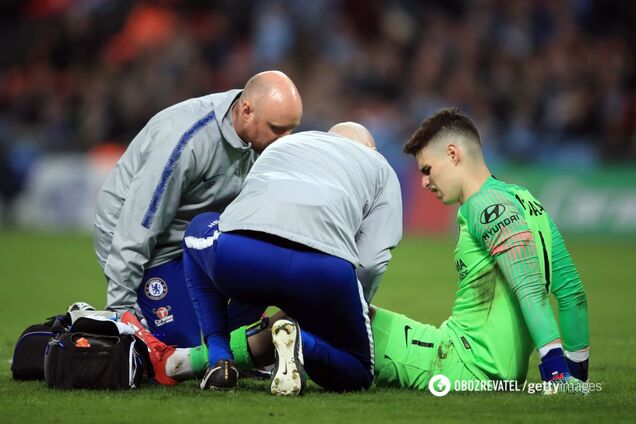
407	328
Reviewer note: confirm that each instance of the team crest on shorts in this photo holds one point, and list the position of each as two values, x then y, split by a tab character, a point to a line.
163	315
156	289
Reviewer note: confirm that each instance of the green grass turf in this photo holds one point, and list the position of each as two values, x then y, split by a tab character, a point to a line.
41	274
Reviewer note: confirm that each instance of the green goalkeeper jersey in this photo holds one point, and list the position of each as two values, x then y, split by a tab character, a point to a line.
509	257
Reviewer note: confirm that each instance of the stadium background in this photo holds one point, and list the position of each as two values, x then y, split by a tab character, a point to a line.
551	85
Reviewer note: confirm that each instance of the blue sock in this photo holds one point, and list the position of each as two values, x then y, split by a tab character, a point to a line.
217	349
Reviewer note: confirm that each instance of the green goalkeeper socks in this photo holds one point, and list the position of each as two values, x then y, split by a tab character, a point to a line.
240	350
238	343
198	359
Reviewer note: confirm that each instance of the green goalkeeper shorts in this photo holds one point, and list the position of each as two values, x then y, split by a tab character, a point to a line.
408	353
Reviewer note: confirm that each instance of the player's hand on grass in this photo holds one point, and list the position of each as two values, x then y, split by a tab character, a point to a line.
556	375
568	385
578	369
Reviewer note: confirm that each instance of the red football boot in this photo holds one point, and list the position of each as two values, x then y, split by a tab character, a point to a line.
158	350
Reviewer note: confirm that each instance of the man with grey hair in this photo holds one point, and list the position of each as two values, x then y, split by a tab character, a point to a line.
190	158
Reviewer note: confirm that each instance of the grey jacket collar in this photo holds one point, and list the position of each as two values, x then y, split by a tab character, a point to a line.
222	103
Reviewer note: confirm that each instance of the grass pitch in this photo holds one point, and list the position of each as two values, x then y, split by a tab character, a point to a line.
41	274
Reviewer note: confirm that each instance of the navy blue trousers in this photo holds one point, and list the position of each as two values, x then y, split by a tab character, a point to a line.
321	292
165	303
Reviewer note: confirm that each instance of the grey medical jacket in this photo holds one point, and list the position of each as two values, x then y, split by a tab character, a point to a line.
187	160
326	192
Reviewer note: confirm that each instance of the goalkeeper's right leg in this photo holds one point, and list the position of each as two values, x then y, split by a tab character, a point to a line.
408	353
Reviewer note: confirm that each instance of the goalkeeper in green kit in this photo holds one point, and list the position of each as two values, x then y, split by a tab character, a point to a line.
510	257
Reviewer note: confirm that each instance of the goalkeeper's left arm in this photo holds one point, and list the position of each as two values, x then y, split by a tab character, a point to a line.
515	253
572	307
517	259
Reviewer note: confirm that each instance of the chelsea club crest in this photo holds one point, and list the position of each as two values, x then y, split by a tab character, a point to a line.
156	289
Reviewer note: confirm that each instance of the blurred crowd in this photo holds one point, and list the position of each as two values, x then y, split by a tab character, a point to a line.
548	81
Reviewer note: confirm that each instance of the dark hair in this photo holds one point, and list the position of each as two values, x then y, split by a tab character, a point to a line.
443	121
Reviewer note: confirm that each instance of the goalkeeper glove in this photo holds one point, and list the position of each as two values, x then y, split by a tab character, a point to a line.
554	370
554	366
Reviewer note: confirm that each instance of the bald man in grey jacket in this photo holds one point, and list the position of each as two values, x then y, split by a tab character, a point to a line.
190	158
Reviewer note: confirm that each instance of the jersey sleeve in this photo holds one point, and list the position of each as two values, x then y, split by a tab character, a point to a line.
497	221
570	296
151	204
380	231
